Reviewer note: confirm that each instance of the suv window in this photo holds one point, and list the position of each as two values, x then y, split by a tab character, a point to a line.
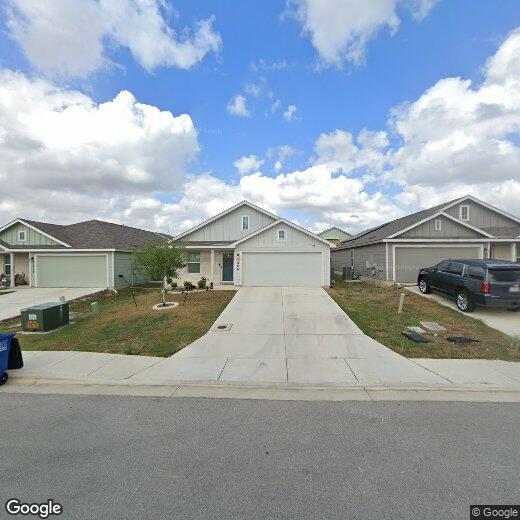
455	268
504	275
476	272
443	266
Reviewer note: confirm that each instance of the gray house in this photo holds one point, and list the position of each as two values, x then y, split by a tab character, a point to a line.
249	246
463	228
94	254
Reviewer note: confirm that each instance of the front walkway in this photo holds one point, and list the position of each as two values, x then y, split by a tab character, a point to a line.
25	296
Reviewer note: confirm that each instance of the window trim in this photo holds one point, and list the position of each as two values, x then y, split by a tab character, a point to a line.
438	224
24	232
242	217
7	265
188	262
284	234
467	212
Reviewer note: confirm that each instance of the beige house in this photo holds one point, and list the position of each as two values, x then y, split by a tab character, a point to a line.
249	246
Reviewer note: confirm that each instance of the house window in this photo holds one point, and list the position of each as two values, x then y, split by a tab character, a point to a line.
194	262
22	236
7	265
281	234
245	222
464	213
438	225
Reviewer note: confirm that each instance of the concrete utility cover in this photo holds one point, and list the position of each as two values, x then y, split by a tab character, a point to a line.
431	325
416	329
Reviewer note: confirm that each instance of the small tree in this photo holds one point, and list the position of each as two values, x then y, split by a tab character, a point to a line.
160	260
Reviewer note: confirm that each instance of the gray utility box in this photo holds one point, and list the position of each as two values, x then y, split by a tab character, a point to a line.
44	317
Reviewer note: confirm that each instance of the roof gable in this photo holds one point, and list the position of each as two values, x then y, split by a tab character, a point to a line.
38	233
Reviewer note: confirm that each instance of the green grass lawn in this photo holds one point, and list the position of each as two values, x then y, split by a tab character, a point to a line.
374	310
123	328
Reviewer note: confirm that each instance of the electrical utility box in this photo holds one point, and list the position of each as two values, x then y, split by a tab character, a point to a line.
45	317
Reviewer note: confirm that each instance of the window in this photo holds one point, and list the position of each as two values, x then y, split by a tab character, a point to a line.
245	222
281	234
22	236
455	268
194	262
7	265
477	272
443	266
438	225
464	213
504	275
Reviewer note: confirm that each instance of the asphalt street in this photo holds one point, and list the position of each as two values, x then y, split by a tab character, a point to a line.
173	458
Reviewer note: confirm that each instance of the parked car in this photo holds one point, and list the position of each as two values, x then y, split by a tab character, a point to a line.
490	283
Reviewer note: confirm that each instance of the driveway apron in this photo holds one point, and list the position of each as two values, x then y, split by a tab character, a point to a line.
288	335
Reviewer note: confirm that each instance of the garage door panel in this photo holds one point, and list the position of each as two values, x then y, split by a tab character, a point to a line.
71	271
408	260
282	269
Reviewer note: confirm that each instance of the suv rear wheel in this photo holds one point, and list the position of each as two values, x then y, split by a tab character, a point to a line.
464	301
424	286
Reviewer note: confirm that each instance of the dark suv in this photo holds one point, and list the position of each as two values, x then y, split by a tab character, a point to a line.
492	283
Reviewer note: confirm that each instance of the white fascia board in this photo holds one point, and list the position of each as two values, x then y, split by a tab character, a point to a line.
482	203
21	221
441	214
286	222
222	214
451	240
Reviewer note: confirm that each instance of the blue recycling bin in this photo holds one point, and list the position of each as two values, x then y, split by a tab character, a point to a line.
5	347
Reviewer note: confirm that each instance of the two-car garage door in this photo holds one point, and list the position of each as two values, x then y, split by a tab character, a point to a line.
408	260
282	269
71	271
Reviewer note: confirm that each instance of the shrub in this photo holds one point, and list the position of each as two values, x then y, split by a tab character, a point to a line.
174	285
202	283
188	285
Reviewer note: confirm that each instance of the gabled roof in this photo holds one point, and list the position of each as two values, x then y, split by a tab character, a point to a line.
398	226
91	234
334	228
219	215
287	223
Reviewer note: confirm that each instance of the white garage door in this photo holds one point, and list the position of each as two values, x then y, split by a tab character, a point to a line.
71	271
282	269
408	260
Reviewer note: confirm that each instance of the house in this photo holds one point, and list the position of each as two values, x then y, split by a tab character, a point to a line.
335	235
464	228
87	254
249	246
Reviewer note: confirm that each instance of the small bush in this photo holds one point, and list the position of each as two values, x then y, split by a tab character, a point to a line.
174	285
202	283
188	285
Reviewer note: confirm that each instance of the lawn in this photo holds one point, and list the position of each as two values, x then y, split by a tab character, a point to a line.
374	310
121	327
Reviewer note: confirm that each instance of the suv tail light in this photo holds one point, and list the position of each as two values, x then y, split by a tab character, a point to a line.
486	288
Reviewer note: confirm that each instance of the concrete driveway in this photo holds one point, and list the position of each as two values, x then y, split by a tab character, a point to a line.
501	319
279	335
22	297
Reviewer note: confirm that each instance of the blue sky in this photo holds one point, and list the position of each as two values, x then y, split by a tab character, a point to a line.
265	52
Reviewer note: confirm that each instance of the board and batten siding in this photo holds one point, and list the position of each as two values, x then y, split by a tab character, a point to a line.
296	241
449	229
229	227
483	218
123	264
34	238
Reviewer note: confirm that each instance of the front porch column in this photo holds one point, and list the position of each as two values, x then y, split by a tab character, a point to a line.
514	251
212	266
12	269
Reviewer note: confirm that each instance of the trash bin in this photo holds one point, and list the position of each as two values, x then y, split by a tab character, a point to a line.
5	347
10	355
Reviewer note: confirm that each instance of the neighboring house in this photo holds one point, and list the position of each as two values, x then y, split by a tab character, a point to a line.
88	254
335	235
465	228
247	245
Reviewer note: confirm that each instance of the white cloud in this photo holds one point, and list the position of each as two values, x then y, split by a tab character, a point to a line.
289	113
71	38
341	29
238	106
248	164
281	153
276	106
66	155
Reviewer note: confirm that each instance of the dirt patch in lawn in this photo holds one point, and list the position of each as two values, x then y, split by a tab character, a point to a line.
374	310
121	327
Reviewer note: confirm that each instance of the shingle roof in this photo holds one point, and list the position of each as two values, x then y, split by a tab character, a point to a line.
98	234
379	233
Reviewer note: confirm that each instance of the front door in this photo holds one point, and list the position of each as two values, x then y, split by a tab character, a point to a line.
227	267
